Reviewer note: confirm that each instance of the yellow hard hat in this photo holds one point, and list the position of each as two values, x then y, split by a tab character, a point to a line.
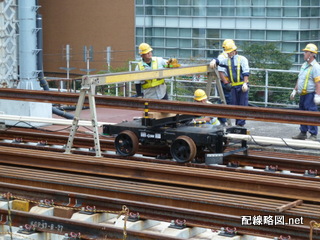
230	47
144	48
199	95
226	42
311	48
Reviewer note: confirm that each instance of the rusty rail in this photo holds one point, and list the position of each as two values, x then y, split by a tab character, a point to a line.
219	110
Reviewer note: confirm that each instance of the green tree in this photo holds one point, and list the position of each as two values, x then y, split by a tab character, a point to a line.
267	56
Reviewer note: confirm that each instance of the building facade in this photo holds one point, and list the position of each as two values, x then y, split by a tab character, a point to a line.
196	28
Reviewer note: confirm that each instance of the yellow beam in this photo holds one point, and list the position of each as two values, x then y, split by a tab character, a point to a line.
145	75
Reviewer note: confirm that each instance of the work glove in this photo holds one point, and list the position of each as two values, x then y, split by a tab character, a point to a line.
173	63
213	64
244	87
293	94
227	87
316	99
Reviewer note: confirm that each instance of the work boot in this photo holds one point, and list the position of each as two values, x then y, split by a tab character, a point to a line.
313	137
301	136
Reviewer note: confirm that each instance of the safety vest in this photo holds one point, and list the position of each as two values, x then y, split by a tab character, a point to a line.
152	82
305	85
233	83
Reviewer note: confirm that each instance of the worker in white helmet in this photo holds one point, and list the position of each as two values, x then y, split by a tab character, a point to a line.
308	87
238	71
200	96
153	88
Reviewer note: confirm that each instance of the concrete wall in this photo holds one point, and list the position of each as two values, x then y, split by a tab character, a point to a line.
79	23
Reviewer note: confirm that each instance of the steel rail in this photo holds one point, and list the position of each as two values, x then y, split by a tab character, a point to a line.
219	110
200	208
260	159
170	174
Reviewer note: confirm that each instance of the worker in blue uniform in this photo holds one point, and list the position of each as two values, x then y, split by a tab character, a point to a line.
226	86
308	87
238	71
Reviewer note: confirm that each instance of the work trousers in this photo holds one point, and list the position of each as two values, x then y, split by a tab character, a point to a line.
306	103
239	98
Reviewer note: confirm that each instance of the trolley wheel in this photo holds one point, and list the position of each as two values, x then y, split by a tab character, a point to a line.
126	143
183	149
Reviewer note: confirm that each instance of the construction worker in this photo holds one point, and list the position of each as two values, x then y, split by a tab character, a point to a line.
226	86
153	88
238	71
201	97
308	87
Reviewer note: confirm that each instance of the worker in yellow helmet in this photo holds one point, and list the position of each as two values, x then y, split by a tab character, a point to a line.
153	88
238	71
308	87
201	97
226	86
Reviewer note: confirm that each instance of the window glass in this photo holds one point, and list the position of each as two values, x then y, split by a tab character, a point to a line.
171	42
158	2
185	43
291	3
185	53
140	10
273	3
227	34
199	11
315	12
198	43
172	2
257	34
148	10
243	2
173	11
315	3
199	2
158	31
158	10
214	2
258	12
305	3
289	47
315	35
171	52
185	32
198	53
291	12
139	2
273	35
185	11
148	2
139	40
274	12
242	34
139	31
305	12
305	35
213	11
212	54
158	42
198	33
243	11
185	2
148	31
289	36
228	2
213	33
213	44
172	32
258	2
158	52
228	11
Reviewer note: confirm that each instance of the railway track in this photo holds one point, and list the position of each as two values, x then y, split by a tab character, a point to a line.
199	207
274	162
